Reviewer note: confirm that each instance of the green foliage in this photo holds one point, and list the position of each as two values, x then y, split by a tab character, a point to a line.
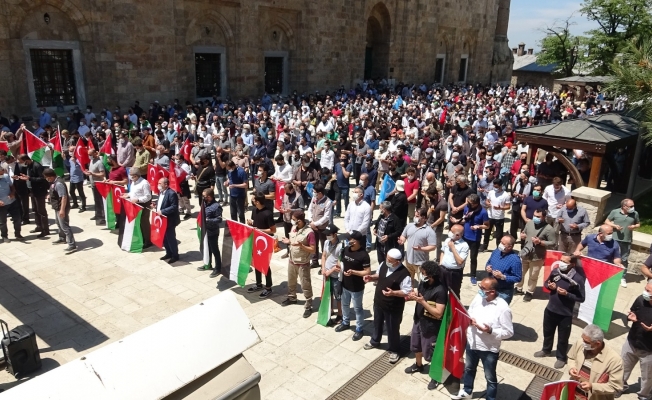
563	49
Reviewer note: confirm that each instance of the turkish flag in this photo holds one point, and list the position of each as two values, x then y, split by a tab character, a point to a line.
280	193
263	249
151	178
550	263
185	149
456	338
4	146
81	154
118	191
442	117
157	228
161	173
177	175
559	390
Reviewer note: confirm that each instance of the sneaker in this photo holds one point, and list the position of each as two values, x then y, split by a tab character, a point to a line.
307	313
288	301
265	293
357	336
342	327
527	297
369	346
215	274
461	395
541	354
59	241
70	249
623	282
254	288
433	384
414	368
393	358
559	364
474	281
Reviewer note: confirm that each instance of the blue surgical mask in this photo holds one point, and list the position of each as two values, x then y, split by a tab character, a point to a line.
536	193
536	220
482	293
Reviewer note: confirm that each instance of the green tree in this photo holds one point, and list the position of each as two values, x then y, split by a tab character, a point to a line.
562	48
618	21
633	77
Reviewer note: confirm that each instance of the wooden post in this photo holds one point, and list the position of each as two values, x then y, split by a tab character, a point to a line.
596	166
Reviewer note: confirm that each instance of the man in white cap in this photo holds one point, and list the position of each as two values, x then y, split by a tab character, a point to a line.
394	283
399	202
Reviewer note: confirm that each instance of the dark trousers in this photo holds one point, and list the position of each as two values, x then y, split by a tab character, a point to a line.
40	214
23	199
268	278
237	206
517	221
99	203
78	189
214	251
392	321
170	242
14	210
474	247
341	194
551	322
500	226
381	254
453	279
320	238
145	226
357	170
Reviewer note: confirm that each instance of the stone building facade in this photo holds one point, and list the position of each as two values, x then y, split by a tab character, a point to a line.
79	52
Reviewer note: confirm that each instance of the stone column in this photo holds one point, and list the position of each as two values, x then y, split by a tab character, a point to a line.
594	201
503	59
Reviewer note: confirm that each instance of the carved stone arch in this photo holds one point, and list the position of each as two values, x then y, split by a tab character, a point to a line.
378	42
72	12
216	19
287	30
572	170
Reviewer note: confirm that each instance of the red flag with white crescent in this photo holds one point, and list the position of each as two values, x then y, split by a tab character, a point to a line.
177	175
263	249
151	178
442	117
81	154
456	339
186	149
161	173
280	193
118	191
157	228
549	263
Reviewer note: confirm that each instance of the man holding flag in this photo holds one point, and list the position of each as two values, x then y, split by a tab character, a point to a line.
96	173
212	219
168	205
491	323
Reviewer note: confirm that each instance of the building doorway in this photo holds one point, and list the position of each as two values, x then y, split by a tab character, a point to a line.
274	75
377	48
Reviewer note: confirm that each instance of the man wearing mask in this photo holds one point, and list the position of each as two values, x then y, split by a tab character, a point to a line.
388	229
205	177
533	203
304	174
566	287
454	252
538	236
475	219
556	195
457	199
261	219
601	246
491	323
266	186
393	285
140	193
572	219
504	264
342	172
58	194
8	205
301	245
638	346
358	214
597	368
142	157
168	205
498	201
357	265
419	240
212	219
39	191
162	158
221	159
411	185
624	221
320	209
521	189
125	151
331	268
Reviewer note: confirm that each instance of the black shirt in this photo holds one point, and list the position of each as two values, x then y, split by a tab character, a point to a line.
459	198
564	305
638	337
437	293
263	218
354	260
219	171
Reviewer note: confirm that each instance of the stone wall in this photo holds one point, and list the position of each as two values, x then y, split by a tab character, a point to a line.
595	203
522	78
145	50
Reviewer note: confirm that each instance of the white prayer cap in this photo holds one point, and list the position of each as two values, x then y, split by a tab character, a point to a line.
395	254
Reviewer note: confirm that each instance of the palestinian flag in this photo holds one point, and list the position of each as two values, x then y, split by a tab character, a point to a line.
57	157
324	314
106	191
550	263
562	390
201	235
5	146
237	250
106	150
601	288
35	147
132	238
448	355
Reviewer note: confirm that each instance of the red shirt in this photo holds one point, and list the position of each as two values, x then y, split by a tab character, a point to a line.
410	188
118	174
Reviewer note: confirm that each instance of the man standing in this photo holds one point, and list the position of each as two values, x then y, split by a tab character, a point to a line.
8	205
212	220
638	346
566	287
624	221
419	240
475	219
572	219
265	186
168	205
237	184
601	246
491	323
140	193
358	214
39	190
538	236
504	264
520	191
393	284
342	173
454	252
556	195
356	264
331	269
263	220
498	201
96	173
61	206
76	181
457	199
320	209
301	245
387	230
597	368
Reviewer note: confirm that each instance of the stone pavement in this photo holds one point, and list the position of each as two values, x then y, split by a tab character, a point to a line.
80	302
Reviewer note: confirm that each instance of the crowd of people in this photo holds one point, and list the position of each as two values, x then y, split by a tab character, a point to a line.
457	167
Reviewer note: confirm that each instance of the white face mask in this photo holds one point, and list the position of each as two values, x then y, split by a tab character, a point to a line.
158	152
417	220
501	247
451	235
160	188
608	238
563	266
587	347
294	222
646	296
489	158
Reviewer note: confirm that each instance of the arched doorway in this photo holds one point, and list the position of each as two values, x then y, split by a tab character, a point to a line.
376	62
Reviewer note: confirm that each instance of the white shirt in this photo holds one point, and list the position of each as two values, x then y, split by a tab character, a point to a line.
283	173
327	159
406	283
324	127
160	200
498	199
554	199
358	217
140	191
462	249
497	315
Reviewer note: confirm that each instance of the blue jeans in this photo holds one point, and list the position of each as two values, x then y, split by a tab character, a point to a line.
341	194
369	239
489	361
357	306
222	193
506	294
